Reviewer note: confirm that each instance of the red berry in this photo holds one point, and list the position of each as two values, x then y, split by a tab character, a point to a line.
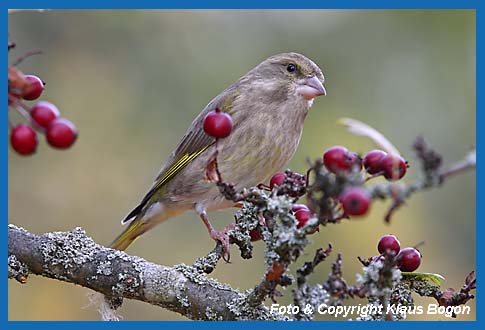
218	124
277	180
61	133
355	201
34	89
43	113
302	216
409	259
296	207
394	167
389	242
255	235
373	160
23	139
339	159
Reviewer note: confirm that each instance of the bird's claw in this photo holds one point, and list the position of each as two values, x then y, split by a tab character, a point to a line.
223	238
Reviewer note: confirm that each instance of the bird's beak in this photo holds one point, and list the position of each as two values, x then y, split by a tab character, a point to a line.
310	88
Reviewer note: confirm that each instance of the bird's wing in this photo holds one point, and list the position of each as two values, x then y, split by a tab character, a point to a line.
194	143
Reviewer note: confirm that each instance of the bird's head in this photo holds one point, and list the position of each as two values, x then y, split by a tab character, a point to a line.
293	73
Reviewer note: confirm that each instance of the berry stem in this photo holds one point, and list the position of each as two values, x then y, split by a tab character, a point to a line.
27	55
19	107
263	187
338	218
372	176
13	100
468	162
307	179
10	124
419	244
24	111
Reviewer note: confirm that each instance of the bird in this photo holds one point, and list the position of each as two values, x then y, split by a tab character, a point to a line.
268	106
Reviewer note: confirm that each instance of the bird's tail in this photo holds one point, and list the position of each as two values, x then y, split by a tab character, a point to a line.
129	235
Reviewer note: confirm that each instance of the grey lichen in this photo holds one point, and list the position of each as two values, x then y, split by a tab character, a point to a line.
380	280
212	315
195	276
208	263
165	285
14	227
69	250
243	311
182	298
317	295
371	279
104	268
17	269
422	287
402	295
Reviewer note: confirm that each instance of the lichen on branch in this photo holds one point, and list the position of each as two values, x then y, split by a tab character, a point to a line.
75	258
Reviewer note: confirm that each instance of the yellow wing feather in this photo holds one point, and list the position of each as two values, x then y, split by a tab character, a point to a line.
128	236
177	167
194	143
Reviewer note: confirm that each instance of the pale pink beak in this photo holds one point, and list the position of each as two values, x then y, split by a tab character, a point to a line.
310	88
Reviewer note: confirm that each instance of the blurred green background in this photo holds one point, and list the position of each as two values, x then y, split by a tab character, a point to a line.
132	81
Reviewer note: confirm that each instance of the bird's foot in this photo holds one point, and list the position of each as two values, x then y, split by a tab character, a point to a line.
220	236
238	205
223	237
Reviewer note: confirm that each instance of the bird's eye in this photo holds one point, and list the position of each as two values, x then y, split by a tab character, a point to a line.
291	68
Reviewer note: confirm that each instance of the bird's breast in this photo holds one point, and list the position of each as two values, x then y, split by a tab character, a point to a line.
260	145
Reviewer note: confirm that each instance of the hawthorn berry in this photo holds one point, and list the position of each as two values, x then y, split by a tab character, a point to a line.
389	242
218	124
23	139
394	167
302	216
355	201
373	161
61	133
296	184
339	159
43	113
277	180
255	235
34	89
297	207
408	259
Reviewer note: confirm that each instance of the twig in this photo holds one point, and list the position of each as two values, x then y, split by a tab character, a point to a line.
27	55
75	258
467	163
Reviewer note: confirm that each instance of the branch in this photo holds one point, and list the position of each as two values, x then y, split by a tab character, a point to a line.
75	258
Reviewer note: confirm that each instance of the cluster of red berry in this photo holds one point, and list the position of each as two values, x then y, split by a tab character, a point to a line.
376	162
407	259
42	116
356	200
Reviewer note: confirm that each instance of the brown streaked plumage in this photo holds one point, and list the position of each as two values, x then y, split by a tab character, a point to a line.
268	106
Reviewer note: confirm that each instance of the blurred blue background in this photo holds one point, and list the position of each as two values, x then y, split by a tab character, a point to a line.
132	81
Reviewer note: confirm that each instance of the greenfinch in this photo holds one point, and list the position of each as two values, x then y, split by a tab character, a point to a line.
268	106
